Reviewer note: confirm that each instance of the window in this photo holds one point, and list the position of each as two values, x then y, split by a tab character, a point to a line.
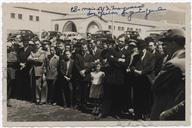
20	16
119	28
122	28
30	17
13	15
138	29
56	27
37	18
109	27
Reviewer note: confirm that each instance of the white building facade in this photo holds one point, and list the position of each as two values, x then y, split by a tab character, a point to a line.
19	18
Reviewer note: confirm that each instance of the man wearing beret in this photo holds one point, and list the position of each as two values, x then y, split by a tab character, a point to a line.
169	85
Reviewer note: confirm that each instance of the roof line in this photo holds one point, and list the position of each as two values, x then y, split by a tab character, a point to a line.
27	8
79	18
54	12
41	10
100	18
133	23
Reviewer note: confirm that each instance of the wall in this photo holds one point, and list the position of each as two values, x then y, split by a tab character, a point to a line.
11	25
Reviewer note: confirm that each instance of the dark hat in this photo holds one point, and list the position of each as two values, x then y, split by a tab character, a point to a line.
60	41
172	34
44	42
141	43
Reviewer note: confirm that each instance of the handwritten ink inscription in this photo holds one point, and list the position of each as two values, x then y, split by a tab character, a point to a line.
129	11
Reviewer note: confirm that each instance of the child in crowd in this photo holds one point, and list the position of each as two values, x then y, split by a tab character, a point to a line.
96	90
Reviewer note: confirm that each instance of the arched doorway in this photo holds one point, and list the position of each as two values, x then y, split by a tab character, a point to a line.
69	27
93	27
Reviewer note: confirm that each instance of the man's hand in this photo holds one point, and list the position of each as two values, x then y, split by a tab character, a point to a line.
82	72
121	60
67	78
128	70
22	65
138	72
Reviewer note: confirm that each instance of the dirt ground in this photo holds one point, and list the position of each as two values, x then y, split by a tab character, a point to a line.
26	111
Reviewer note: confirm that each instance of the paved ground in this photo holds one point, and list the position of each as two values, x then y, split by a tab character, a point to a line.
26	111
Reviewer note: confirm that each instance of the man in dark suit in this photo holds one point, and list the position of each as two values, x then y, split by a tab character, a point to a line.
12	67
158	57
23	77
113	83
144	76
131	58
169	86
66	65
81	75
95	51
60	48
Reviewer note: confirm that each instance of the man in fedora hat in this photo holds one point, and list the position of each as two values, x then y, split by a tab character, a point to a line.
169	85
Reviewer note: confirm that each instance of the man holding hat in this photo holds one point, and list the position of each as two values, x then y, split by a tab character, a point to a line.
169	86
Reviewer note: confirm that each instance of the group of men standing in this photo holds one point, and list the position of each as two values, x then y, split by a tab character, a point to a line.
139	74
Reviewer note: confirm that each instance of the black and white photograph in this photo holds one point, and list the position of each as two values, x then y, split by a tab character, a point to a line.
96	62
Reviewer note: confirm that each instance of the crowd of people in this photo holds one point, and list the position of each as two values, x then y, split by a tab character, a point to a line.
142	77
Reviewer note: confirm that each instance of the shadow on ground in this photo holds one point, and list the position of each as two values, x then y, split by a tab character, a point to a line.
25	111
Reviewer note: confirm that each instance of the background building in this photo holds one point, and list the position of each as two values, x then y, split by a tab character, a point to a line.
117	24
36	20
57	18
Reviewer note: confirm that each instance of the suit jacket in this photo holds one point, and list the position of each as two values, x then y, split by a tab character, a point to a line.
63	68
97	54
23	54
52	67
146	66
169	86
116	71
158	62
39	64
12	65
82	62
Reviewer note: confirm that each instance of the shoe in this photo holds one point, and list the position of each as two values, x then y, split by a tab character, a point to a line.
54	104
40	103
97	110
100	116
116	117
137	117
94	110
64	106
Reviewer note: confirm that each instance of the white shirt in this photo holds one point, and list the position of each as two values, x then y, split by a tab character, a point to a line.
144	52
68	62
97	77
25	49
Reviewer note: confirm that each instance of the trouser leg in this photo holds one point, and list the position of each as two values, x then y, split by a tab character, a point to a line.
38	89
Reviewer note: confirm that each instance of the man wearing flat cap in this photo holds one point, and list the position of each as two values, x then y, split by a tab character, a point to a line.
169	85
